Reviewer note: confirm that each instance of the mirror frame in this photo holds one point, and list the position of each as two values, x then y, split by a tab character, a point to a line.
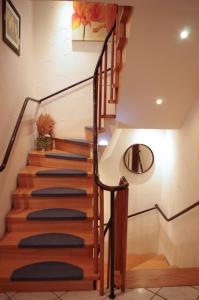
150	166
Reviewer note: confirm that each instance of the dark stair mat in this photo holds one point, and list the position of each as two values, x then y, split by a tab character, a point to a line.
58	192
66	156
57	214
50	270
78	141
52	240
61	172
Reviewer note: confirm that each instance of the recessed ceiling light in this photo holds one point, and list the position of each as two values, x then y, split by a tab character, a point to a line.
159	101
185	33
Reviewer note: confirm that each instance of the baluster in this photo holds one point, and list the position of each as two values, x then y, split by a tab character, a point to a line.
100	97
95	212
101	242
112	67
105	79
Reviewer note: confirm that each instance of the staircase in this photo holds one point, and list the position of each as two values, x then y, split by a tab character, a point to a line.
50	228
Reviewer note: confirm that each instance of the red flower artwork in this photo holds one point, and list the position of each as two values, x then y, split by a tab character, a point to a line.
96	15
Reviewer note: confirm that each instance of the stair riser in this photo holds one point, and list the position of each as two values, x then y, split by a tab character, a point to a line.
73	148
9	252
48	226
89	135
45	286
53	202
59	163
29	181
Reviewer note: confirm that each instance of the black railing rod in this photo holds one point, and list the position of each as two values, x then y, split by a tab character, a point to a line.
141	212
14	134
178	214
68	87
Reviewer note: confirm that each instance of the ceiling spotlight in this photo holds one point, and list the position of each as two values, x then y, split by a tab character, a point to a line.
185	33
159	101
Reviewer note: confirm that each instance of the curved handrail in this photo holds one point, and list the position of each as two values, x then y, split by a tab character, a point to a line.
124	183
22	111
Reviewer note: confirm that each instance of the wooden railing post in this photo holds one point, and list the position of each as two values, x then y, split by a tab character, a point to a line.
101	217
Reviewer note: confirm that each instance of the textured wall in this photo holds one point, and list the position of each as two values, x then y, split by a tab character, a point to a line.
16	84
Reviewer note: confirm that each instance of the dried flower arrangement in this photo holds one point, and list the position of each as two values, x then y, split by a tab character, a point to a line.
45	127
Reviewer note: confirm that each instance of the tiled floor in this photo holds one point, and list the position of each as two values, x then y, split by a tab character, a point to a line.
168	293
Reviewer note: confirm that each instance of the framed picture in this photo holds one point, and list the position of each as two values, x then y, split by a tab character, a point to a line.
92	21
11	26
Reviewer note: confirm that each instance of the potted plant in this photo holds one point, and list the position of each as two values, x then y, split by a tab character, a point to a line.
45	127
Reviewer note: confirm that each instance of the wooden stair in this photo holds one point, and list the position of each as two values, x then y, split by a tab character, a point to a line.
50	228
154	271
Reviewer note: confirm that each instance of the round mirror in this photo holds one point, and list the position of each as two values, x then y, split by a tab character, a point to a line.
138	158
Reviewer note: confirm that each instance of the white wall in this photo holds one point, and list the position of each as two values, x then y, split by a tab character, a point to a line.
59	62
172	183
15	85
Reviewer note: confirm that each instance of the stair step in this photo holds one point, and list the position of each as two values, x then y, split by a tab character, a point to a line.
60	159
53	198
61	172
49	220
38	177
52	240
50	270
67	156
162	277
146	261
57	214
58	276
75	146
77	141
58	192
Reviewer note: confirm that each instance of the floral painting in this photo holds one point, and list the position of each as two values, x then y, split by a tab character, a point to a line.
92	21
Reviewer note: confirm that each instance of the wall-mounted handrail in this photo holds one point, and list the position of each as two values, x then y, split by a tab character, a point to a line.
156	206
21	114
14	133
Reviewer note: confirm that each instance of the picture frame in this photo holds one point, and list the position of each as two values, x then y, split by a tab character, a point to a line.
11	25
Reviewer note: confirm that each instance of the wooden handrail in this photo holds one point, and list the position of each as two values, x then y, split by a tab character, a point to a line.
98	103
156	206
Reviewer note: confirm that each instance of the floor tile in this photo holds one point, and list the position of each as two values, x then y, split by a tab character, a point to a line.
154	290
3	297
136	294
156	297
179	293
83	295
59	294
34	296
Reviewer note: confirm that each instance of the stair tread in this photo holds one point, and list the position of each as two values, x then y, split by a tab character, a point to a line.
146	261
27	192
82	142
8	265
23	213
59	154
44	171
51	270
12	239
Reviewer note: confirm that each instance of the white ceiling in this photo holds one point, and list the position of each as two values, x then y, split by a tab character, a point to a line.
159	64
